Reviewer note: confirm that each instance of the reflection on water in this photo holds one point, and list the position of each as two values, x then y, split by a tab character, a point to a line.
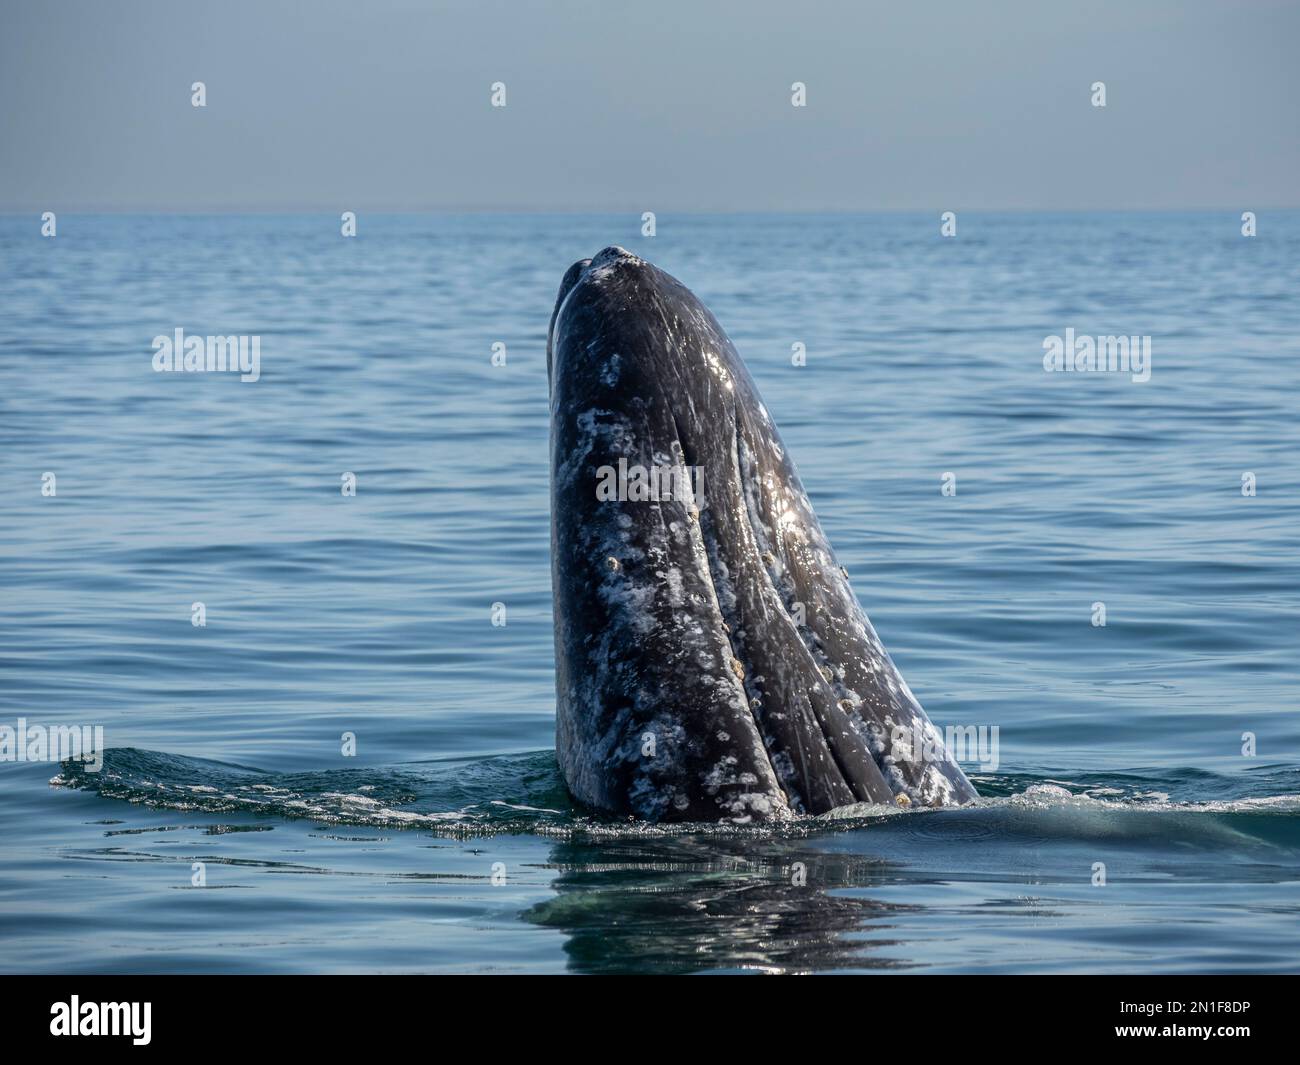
693	904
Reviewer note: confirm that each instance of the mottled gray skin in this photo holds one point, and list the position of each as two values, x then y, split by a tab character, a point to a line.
712	662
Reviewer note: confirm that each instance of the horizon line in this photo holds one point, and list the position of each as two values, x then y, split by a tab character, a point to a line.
606	211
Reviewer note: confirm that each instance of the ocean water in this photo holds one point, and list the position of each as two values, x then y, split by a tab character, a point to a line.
446	842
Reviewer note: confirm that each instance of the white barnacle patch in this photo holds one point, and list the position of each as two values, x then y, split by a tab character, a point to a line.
629	599
609	372
605	260
593	425
676	597
723	772
875	738
747	805
934	789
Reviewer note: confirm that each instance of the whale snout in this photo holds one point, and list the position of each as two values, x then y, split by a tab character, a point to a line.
612	254
612	265
600	267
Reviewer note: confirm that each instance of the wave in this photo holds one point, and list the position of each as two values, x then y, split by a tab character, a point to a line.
524	794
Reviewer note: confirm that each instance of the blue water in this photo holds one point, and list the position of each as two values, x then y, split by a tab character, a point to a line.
447	842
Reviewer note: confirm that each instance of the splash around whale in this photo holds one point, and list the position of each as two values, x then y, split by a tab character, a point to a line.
712	662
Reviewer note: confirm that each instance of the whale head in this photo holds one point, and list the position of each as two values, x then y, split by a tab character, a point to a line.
712	662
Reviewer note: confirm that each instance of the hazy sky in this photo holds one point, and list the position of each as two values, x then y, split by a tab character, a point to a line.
658	105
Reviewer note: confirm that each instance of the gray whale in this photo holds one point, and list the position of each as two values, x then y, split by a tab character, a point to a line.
712	662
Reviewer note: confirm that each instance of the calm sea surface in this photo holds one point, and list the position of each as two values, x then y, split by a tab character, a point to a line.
447	843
